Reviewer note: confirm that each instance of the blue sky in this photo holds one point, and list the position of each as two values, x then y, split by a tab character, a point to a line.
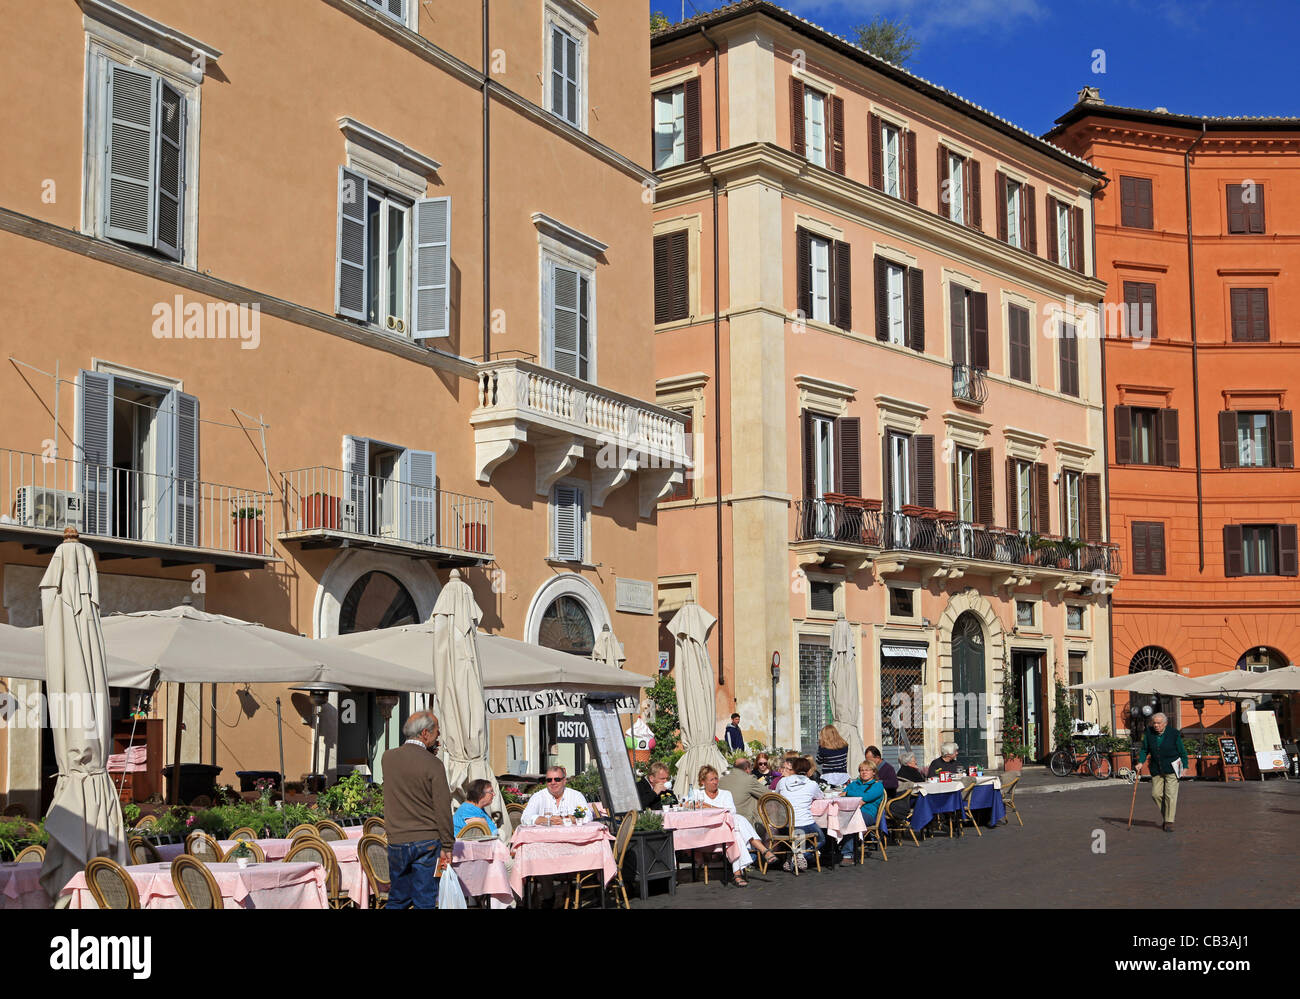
1026	59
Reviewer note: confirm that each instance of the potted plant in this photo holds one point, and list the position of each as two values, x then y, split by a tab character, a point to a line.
321	511
1193	750
1211	762
248	529
476	537
1014	750
1067	552
650	854
1121	753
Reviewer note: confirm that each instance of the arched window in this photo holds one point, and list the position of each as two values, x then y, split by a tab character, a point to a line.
1151	657
567	627
376	600
1259	659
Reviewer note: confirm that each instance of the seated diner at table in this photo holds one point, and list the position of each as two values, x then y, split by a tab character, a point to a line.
870	790
709	795
886	774
745	789
555	803
478	798
801	792
947	761
763	769
653	787
907	769
832	751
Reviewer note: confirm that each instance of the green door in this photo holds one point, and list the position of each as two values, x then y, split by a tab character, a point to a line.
968	688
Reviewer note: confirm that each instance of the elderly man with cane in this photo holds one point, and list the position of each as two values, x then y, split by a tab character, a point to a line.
1168	760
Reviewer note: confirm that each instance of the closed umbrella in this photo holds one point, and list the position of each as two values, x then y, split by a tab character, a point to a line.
608	649
696	697
85	816
846	706
458	677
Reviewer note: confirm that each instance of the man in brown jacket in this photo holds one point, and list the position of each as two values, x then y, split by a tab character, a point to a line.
417	814
745	789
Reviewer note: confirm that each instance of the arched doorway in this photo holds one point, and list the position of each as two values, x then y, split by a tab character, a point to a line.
566	626
1151	657
968	683
1261	659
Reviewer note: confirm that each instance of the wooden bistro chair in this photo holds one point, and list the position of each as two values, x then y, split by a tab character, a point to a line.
259	855
142	851
873	833
330	831
591	879
32	854
310	850
778	817
966	813
372	851
244	832
515	811
195	884
304	829
475	829
906	801
199	844
110	885
1009	798
145	822
374	826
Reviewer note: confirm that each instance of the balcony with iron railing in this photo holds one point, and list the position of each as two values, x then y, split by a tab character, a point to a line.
567	419
330	508
969	385
125	513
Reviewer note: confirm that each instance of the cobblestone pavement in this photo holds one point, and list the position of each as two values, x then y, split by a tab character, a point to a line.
1234	847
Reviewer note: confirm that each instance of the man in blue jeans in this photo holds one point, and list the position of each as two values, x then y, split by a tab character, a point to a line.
417	814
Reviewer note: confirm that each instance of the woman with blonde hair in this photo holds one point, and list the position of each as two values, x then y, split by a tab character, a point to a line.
832	751
709	795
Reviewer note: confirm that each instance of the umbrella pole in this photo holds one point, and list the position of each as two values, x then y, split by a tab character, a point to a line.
279	731
176	744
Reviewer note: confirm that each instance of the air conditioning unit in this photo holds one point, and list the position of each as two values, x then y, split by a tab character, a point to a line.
52	509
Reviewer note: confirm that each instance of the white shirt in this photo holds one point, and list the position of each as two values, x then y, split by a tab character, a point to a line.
801	793
723	800
544	803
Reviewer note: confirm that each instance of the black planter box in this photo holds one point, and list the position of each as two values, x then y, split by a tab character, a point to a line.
196	779
650	857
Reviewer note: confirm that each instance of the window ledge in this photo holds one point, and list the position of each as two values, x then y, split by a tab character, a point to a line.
570	563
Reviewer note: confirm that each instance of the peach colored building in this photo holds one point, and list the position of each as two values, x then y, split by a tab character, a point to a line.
895	392
303	311
1195	229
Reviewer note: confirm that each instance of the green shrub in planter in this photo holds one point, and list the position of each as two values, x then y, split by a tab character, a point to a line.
649	821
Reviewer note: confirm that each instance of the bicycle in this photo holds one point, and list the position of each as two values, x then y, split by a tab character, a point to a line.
1067	760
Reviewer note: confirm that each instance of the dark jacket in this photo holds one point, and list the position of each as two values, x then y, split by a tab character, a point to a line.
735	738
888	777
940	765
652	801
910	773
1163	749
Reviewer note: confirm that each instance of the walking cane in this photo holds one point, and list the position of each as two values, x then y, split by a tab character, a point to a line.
1137	778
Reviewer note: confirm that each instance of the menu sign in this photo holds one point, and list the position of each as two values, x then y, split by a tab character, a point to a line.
610	750
1231	757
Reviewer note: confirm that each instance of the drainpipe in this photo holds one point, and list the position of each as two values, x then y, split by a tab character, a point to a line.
1105	465
717	360
1196	383
487	201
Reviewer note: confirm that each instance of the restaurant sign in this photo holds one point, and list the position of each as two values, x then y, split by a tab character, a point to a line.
531	703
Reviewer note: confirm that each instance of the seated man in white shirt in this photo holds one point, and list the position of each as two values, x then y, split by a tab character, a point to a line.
551	805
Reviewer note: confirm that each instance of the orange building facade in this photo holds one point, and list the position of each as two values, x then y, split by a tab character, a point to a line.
1196	242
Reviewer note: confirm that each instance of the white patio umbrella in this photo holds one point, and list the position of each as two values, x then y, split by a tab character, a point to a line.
696	695
85	816
22	657
1284	680
459	680
1152	681
846	706
1229	683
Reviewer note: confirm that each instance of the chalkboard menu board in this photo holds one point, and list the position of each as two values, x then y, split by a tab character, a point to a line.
611	754
1228	749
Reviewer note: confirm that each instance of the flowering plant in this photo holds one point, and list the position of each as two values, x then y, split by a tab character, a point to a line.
579	812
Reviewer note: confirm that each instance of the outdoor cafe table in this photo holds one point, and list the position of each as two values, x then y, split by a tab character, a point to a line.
257	886
703	829
840	816
481	866
20	887
545	851
945	796
352	876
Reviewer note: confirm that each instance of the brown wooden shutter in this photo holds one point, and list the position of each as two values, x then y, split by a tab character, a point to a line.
1000	192
979	330
1168	421
882	298
886	472
835	106
1076	240
1255	212
1259	314
1013	495
1148	302
910	166
1092	511
1068	345
1236	210
693	128
803	264
1156	548
1043	499
1139	531
1018	340
798	143
1239	299
663	279
1283	440
923	460
842	286
877	153
1029	212
975	209
944	208
848	456
1139	304
1053	249
1123	435
957	313
984	486
1233	561
1287	560
1128	206
809	455
1228	456
916	309
1145	212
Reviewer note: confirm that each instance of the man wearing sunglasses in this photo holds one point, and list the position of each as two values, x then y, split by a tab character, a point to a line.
556	804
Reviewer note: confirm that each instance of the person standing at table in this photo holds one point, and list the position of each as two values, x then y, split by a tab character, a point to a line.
417	814
1168	760
832	751
886	774
555	802
735	738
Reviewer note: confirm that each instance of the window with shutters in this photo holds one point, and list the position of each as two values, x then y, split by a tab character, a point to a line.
1139	310
1148	548
1145	437
964	472
1245	208
1249	314
1071	504
969	327
891	147
819	263
1068	347
1019	354
900	304
670	127
392	491
814	113
387	222
566	67
672	276
823	470
1135	203
568	313
568	516
1255	440
1259	549
393	9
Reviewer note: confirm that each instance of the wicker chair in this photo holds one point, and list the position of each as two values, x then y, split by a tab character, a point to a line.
372	851
195	884
515	811
475	829
259	855
142	851
310	850
244	832
778	817
872	835
199	844
900	818
304	829
330	831
374	826
32	854
966	813
1009	798
110	885
145	822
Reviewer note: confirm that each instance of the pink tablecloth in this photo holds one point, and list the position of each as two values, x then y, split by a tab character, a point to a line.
839	816
550	850
352	877
20	887
481	867
702	829
258	886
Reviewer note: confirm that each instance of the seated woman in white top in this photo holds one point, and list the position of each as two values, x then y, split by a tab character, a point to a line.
709	795
556	804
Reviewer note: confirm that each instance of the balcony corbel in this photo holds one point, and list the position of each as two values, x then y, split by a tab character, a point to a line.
654	484
608	476
935	572
494	446
555	458
884	569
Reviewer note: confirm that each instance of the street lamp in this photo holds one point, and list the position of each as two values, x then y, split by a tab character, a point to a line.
776	678
319	691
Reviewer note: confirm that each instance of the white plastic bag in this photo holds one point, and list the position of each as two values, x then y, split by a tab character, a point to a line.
450	893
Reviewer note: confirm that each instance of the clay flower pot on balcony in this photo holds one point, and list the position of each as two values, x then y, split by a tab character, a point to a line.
321	511
476	537
248	530
911	510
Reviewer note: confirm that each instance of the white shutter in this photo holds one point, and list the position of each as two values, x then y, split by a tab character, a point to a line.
431	269
158	491
397	11
95	443
350	255
186	470
565	320
418	471
567	524
557	72
356	468
129	155
171	171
